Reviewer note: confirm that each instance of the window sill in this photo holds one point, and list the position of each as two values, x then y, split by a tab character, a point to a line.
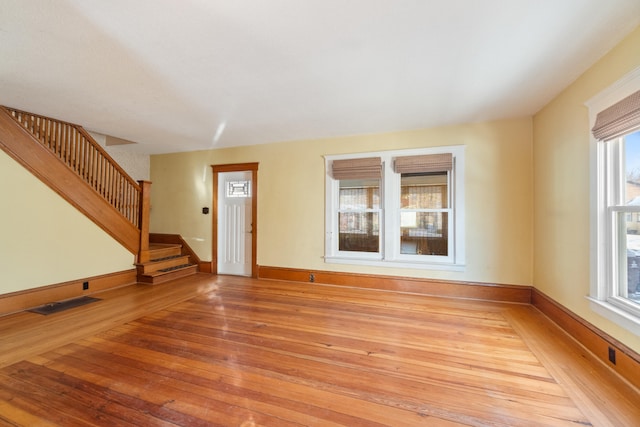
395	264
616	315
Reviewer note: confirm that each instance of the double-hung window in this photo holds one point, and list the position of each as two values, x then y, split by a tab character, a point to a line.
396	208
358	209
615	275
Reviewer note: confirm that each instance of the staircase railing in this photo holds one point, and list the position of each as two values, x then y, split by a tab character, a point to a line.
81	153
78	150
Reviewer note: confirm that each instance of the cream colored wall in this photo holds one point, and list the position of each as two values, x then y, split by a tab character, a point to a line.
291	198
44	239
561	197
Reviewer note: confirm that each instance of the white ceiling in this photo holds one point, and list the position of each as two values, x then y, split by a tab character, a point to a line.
182	75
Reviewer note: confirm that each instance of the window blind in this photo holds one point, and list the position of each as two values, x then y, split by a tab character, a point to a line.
426	163
367	168
618	119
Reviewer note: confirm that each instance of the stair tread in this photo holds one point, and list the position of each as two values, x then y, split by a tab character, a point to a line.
162	260
167	258
169	270
158	277
167	262
164	250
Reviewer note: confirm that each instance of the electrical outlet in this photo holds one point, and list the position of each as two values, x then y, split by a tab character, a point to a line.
612	355
85	286
312	278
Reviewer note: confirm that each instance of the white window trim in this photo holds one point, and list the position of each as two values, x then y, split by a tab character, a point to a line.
390	219
601	297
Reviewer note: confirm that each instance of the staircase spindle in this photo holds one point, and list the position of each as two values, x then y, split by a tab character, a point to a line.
75	147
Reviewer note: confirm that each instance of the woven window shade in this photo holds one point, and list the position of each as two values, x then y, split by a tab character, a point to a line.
622	117
367	168
428	163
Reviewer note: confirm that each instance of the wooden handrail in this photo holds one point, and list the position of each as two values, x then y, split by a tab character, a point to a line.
82	154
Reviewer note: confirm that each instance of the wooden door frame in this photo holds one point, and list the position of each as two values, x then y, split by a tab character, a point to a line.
237	167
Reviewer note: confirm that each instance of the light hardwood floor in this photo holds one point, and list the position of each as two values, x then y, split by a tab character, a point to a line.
228	351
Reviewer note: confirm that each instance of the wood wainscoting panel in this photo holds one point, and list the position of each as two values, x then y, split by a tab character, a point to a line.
23	300
443	288
595	340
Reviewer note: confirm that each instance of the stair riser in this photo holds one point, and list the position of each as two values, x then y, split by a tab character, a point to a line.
172	275
164	252
160	265
168	257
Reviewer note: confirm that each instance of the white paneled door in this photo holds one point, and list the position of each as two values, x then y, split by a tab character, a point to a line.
235	223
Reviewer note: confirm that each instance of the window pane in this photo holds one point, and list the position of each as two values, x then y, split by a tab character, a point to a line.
628	225
359	231
359	194
629	265
424	233
632	165
424	191
238	188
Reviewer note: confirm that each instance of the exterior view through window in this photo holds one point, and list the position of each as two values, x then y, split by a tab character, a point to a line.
424	216
628	220
359	215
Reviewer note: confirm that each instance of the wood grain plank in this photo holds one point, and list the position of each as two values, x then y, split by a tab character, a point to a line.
327	373
220	350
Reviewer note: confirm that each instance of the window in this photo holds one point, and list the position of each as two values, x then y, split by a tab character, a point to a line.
359	215
396	208
239	189
424	213
615	210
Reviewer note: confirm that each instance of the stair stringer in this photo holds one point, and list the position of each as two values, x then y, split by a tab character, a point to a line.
46	166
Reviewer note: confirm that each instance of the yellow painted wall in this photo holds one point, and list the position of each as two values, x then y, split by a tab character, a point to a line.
291	198
561	182
44	240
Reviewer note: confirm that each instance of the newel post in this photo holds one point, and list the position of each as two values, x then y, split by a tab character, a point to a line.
145	208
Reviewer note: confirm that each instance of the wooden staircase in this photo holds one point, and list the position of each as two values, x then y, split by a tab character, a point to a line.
65	157
167	261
